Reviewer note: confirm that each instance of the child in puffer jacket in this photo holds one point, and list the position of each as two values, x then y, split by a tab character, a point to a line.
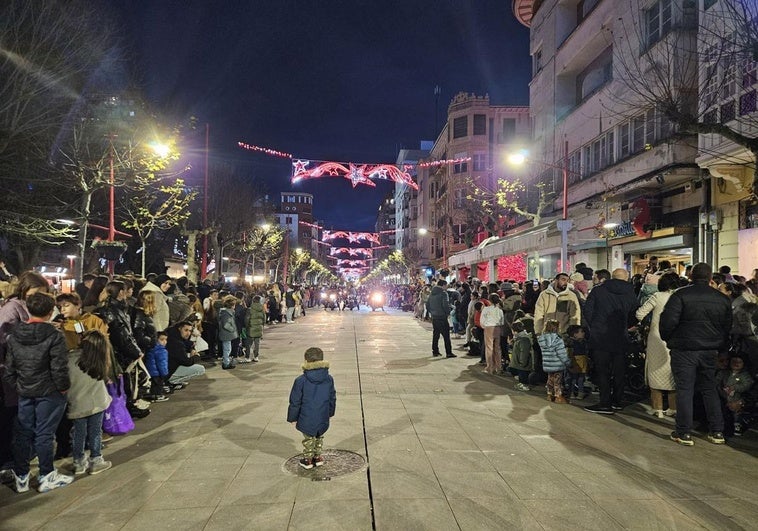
312	402
555	360
156	363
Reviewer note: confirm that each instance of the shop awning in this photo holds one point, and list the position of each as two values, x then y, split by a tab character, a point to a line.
657	244
526	241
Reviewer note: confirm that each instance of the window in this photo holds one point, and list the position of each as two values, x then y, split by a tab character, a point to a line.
707	4
650	127
710	86
460	167
480	161
458	233
729	81
598	73
658	21
624	140
536	62
586	157
747	103
727	112
583	8
480	124
459	197
575	166
460	127
595	161
288	220
638	133
748	72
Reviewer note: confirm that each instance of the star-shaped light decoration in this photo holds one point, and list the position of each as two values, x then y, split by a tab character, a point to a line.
299	167
357	176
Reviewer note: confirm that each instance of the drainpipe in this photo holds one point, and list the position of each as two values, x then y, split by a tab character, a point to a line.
702	237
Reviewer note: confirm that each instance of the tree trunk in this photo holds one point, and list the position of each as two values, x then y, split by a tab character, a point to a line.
143	253
83	230
192	269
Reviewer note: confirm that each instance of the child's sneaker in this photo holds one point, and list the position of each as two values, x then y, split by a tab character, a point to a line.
318	461
550	398
99	465
306	463
80	466
561	400
53	480
22	482
738	430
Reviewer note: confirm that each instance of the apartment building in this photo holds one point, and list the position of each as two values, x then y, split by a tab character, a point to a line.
728	76
633	187
467	153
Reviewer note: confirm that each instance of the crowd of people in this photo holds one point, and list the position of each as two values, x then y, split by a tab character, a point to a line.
80	367
577	334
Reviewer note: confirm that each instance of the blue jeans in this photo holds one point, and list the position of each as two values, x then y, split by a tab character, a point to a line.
226	350
183	374
36	423
89	429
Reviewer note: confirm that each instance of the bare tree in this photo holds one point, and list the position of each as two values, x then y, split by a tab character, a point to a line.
690	70
50	53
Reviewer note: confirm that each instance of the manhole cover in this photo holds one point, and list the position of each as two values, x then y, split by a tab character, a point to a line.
336	463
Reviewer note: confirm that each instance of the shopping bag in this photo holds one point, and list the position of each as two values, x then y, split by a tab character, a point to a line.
117	419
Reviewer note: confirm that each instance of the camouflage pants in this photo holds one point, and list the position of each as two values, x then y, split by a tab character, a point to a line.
312	446
555	384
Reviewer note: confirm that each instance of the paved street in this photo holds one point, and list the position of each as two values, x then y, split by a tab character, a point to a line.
448	447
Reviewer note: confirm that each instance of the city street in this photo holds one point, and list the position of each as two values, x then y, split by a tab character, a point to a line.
445	447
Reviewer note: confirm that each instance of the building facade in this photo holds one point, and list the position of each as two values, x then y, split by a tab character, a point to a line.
633	188
295	214
728	75
468	153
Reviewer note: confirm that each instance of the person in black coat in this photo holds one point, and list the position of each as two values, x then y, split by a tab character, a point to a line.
182	364
609	312
695	324
113	313
438	306
37	368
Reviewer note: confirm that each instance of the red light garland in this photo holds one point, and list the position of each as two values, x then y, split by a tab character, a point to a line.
267	151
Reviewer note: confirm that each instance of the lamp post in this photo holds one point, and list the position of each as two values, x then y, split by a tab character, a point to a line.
564	224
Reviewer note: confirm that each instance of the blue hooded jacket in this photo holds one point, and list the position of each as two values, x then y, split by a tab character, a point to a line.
313	399
156	361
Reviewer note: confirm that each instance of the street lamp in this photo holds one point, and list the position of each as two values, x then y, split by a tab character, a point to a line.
564	224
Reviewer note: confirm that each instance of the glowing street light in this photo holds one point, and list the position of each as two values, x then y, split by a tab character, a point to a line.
519	158
162	150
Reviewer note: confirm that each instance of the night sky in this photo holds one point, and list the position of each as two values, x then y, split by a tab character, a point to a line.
328	80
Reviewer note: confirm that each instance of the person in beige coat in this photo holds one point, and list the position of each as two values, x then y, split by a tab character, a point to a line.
658	375
557	302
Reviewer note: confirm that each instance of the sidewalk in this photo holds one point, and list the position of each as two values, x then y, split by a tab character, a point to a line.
447	446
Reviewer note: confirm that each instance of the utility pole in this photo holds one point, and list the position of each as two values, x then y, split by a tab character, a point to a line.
204	257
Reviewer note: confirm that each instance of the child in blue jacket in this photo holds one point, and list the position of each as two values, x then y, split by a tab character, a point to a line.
555	360
156	363
312	402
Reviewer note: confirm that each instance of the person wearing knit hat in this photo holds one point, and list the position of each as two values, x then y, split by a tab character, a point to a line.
312	403
580	285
